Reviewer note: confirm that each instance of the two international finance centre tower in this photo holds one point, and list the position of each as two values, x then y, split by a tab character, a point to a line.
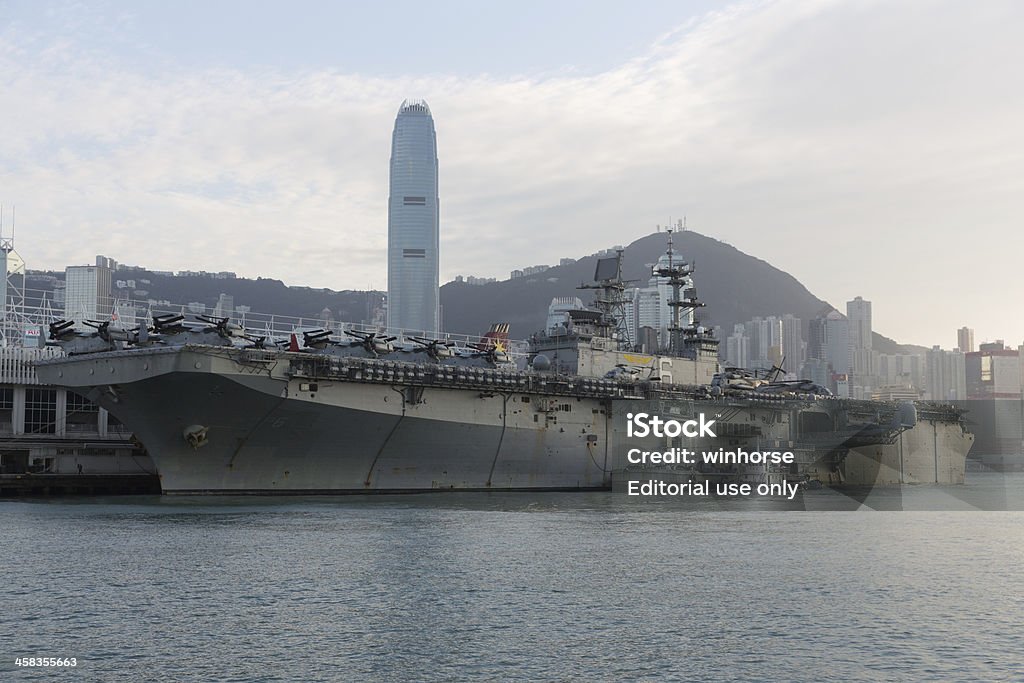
413	285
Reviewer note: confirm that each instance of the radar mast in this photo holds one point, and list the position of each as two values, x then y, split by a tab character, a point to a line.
682	300
610	299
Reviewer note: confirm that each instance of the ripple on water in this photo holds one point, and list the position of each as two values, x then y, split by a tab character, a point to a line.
513	587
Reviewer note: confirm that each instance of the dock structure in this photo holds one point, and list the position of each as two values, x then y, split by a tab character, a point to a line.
49	430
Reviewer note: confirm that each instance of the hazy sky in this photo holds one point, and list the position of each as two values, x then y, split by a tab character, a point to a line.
868	148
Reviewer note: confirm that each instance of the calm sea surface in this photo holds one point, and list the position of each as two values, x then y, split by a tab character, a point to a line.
588	587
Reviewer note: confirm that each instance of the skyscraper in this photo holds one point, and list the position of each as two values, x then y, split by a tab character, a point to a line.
965	340
737	346
792	342
947	375
413	218
858	312
837	342
88	294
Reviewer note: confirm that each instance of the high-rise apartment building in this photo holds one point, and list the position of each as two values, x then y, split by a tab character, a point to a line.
837	342
766	342
792	343
858	313
947	375
643	310
413	222
965	340
87	294
816	337
993	371
737	348
902	369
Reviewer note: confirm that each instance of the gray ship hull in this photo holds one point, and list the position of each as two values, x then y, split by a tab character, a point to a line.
267	433
221	420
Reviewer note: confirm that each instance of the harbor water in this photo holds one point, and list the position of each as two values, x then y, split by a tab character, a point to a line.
918	585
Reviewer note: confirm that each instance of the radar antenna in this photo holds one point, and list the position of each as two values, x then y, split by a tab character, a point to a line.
610	299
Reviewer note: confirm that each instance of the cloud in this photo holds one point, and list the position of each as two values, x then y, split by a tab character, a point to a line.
868	148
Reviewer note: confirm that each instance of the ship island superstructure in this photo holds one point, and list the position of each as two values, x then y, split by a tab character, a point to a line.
220	411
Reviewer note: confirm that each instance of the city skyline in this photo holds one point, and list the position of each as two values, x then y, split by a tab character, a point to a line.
954	340
771	126
840	358
645	307
837	353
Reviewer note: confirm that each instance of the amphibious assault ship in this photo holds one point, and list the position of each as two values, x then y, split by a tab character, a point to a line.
221	411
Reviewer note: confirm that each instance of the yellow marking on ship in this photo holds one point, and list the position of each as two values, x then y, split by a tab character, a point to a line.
637	360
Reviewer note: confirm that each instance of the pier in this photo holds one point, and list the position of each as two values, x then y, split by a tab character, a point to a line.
54	441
